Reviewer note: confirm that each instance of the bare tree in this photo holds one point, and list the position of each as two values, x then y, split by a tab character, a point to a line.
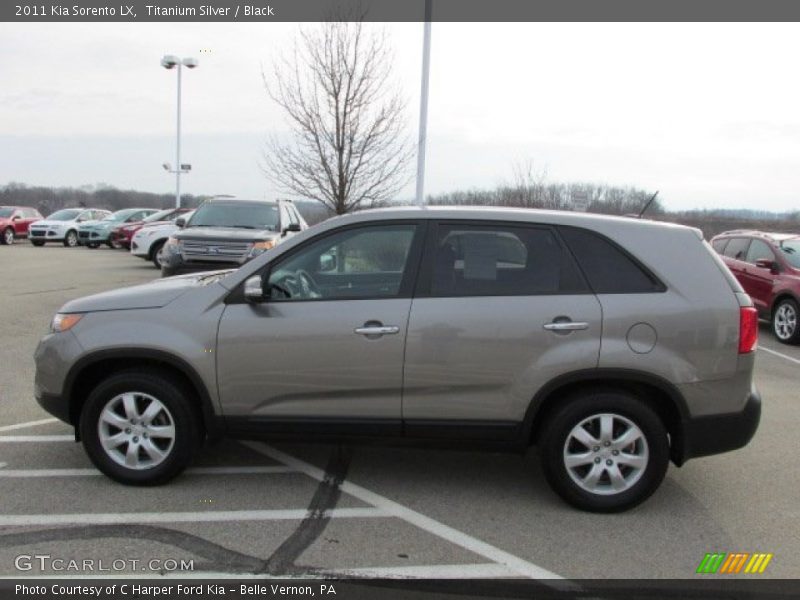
347	149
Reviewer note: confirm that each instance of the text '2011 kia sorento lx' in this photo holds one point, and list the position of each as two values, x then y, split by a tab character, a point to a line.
585	335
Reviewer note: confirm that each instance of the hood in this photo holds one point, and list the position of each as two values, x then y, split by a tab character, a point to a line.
97	224
49	223
225	234
5	220
155	294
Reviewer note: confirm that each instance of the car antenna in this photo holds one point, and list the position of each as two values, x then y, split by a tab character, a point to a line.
646	206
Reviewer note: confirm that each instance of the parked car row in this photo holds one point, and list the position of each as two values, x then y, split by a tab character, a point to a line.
15	221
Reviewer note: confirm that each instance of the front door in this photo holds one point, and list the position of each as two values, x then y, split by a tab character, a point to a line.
326	348
501	310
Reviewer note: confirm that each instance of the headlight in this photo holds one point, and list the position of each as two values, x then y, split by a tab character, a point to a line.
64	321
261	247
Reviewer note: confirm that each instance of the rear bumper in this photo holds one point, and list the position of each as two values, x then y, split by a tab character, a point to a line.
715	434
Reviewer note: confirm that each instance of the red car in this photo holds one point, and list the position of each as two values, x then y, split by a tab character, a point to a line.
122	235
768	267
14	222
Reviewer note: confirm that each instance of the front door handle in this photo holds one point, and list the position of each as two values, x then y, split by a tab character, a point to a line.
566	326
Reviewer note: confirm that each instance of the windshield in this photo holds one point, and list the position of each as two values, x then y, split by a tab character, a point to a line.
120	215
6	212
791	251
65	215
158	216
249	215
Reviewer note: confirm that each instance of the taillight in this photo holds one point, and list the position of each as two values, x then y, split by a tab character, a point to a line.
748	329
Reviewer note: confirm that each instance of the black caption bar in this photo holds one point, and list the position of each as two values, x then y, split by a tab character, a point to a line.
399	10
369	589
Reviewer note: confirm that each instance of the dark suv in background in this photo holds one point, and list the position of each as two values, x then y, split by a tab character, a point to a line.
768	267
227	232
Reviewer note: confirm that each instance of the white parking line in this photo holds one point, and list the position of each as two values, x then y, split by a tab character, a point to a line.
248	470
479	571
210	516
15	439
28	424
776	353
516	564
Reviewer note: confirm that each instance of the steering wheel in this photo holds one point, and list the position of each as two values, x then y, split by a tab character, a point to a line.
308	286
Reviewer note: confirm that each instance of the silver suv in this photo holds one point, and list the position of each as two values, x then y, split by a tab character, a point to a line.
612	344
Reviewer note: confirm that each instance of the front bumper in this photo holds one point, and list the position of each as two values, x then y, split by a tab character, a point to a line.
715	434
92	237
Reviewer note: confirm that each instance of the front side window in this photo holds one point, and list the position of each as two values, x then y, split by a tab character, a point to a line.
368	262
500	260
759	250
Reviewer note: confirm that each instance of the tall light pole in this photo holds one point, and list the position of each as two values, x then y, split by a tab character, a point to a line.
423	105
170	61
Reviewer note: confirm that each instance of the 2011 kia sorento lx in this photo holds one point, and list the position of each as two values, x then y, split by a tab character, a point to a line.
585	335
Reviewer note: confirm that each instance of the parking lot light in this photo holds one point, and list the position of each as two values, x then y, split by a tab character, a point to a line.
169	62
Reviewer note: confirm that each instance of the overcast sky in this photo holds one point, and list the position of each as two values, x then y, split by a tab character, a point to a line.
709	114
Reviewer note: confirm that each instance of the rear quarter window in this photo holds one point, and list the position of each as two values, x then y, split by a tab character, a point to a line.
719	244
608	268
737	248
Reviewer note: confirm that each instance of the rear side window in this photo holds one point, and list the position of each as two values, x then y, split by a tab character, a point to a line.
609	269
737	248
719	244
501	260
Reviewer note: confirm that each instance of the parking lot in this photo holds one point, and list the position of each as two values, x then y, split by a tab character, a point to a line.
306	509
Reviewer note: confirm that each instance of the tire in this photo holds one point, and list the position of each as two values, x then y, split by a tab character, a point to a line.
71	239
785	324
155	253
8	236
37	243
638	474
107	417
168	271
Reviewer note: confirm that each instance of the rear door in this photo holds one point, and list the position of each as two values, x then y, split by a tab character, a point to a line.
328	345
500	310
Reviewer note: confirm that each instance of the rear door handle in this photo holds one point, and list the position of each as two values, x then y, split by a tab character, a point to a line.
566	326
377	330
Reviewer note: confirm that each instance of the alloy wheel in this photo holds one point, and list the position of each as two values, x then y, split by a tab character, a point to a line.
8	236
785	321
136	430
606	454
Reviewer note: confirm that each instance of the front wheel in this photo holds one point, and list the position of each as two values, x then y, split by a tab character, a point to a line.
71	239
604	451
157	254
8	236
784	322
139	427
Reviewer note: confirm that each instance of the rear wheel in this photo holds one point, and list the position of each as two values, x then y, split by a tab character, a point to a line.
604	451
140	428
8	236
71	239
784	322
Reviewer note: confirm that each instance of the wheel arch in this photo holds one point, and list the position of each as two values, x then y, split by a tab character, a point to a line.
784	294
656	392
91	369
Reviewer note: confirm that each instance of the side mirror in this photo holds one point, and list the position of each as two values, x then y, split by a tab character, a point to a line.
254	289
293	227
16	218
180	222
765	263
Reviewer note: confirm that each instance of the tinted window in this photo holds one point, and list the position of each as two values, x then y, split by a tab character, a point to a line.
737	248
719	244
6	212
759	249
487	260
368	262
609	269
